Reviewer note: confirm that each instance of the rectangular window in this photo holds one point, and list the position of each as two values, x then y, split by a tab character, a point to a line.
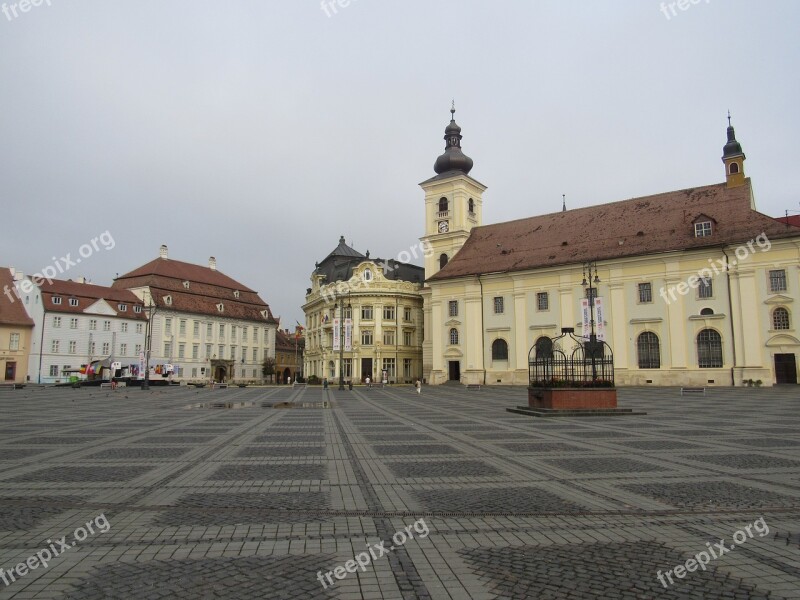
255	354
208	350
194	372
53	370
92	324
406	314
388	338
702	229
122	307
233	333
123	349
366	313
645	293
221	332
123	327
407	368
13	343
56	322
73	323
92	348
348	368
167	349
182	327
255	334
705	289
221	351
138	349
542	301
181	350
196	329
408	338
56	300
233	352
366	337
209	331
139	328
388	313
73	302
137	309
777	281
498	305
195	350
244	334
388	366
453	308
106	348
54	346
168	324
73	347
106	325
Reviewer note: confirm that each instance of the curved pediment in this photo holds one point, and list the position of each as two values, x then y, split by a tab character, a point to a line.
782	339
453	353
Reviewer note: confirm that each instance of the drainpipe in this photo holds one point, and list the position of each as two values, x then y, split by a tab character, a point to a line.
483	352
730	310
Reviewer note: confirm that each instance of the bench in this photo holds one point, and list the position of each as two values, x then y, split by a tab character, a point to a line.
473	386
105	386
11	386
693	390
217	386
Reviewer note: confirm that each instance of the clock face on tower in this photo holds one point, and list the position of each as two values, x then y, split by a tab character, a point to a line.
444	227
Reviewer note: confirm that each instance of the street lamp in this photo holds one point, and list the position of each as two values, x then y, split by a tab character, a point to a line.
590	281
148	340
341	340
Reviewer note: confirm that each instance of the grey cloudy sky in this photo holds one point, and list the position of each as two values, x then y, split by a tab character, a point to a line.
259	131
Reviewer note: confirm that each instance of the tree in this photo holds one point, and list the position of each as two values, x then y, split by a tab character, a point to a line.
268	367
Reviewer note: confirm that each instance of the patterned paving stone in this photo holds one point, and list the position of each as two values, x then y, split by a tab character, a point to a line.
455	468
268	472
511	435
214	430
419	450
745	461
81	474
282	452
227	578
176	439
20	513
398	437
769	443
290	437
527	448
603	465
710	495
19	453
598	571
503	500
53	440
139	453
599	434
655	445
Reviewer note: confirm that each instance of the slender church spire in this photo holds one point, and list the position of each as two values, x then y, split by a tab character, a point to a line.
453	158
564	203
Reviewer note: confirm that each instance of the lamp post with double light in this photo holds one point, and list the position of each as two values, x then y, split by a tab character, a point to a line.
590	281
341	307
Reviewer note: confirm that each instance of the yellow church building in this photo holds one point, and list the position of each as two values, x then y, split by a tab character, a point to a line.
695	286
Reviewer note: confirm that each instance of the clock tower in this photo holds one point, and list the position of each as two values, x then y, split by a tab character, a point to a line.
453	203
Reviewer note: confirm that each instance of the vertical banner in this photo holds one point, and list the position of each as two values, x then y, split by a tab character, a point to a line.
141	365
585	319
337	335
348	335
599	316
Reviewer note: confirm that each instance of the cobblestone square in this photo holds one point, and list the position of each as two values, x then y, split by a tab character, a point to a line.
465	500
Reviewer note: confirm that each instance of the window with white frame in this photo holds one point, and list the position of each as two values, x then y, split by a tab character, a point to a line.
54	346
705	289
181	350
389	337
106	325
139	328
388	313
452	308
106	348
366	313
195	350
182	327
780	318
123	327
13	342
123	349
406	314
645	293
56	322
702	229
499	305
389	367
366	337
542	301
57	300
73	302
408	337
92	324
73	347
53	370
454	336
777	281
73	323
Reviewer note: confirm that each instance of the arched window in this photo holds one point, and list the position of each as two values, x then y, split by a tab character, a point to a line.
709	349
454	336
734	168
443	204
780	318
471	205
544	347
707	311
499	350
443	261
648	350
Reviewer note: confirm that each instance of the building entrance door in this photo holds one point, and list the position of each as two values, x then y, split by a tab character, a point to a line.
366	368
785	368
455	370
11	371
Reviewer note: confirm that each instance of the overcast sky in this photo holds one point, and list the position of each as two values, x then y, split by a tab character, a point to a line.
259	131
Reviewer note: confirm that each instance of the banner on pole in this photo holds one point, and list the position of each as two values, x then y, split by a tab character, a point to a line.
337	335
348	335
599	315
586	330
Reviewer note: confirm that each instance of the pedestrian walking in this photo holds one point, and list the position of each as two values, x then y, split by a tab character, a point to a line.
418	385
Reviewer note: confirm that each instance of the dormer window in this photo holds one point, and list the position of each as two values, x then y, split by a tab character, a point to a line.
57	300
221	307
236	293
702	229
73	302
122	307
186	285
137	309
168	300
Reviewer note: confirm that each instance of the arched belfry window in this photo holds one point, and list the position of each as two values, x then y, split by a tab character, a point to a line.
471	206
443	205
734	168
443	261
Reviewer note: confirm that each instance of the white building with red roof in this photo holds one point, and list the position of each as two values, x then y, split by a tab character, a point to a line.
205	325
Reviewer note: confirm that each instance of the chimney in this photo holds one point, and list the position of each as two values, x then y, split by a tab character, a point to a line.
212	263
162	252
81	279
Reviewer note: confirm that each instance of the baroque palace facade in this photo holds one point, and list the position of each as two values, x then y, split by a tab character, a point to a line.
380	305
697	286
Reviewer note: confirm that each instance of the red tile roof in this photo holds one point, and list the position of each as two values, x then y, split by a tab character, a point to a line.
286	341
640	226
790	220
207	288
87	294
12	311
